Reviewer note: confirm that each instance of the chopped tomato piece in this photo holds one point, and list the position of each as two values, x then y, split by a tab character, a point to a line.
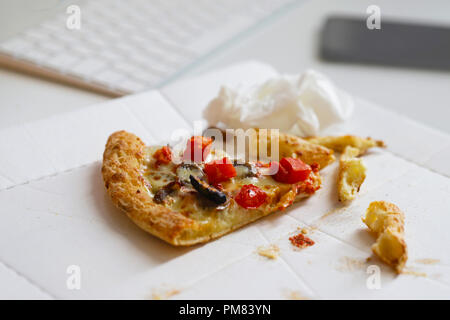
250	197
261	164
219	170
197	148
291	170
163	155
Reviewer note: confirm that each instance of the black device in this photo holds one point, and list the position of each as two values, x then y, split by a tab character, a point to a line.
349	39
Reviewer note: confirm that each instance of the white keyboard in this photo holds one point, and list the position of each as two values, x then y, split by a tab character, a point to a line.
128	46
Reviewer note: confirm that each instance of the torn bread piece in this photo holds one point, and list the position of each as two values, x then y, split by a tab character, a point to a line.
339	143
352	173
387	221
271	251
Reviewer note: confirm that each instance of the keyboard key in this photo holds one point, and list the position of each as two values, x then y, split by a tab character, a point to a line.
82	50
109	55
126	67
16	46
36	57
53	26
51	46
36	36
149	63
108	77
129	85
88	67
62	61
145	76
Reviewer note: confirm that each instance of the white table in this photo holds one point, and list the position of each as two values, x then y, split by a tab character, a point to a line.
290	44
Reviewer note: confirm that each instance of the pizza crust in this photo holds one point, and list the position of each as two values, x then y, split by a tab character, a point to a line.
339	143
352	173
387	221
124	162
123	159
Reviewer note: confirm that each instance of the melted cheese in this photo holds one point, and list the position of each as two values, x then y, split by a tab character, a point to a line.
188	202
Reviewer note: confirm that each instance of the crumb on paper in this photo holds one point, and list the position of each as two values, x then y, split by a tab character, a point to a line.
427	261
163	294
301	241
296	295
307	230
436	276
341	208
348	264
272	251
414	273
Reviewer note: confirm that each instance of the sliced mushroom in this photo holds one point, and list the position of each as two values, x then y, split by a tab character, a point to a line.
244	170
162	193
185	170
208	191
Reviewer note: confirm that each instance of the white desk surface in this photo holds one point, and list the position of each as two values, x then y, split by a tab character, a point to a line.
49	202
290	44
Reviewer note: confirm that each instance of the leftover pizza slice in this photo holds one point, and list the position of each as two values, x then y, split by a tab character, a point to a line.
195	200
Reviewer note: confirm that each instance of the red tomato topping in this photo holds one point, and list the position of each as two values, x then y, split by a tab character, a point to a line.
163	155
292	170
197	148
219	170
250	197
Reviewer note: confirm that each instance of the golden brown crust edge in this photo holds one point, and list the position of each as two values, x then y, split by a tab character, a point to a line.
308	152
338	143
122	161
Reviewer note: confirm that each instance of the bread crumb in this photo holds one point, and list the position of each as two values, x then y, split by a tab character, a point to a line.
348	264
427	261
163	294
306	230
341	209
302	230
271	252
295	295
414	273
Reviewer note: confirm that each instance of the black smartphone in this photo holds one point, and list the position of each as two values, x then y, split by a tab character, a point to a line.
349	39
